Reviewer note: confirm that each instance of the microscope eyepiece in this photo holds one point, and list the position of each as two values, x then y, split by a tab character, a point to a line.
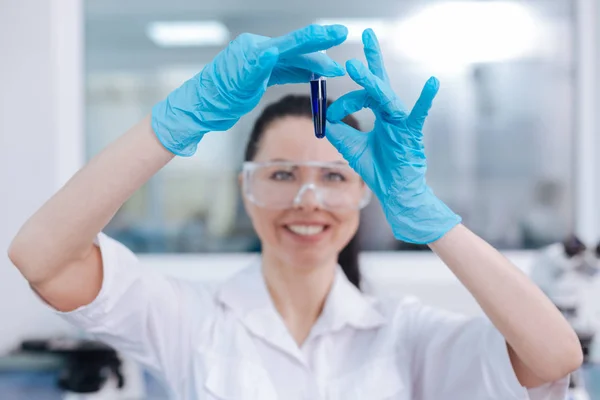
573	246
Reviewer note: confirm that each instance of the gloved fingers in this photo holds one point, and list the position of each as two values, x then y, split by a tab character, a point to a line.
350	142
284	74
347	104
300	69
258	67
318	63
373	54
309	39
419	113
381	93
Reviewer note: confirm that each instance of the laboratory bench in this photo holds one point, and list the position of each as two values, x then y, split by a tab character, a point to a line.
41	385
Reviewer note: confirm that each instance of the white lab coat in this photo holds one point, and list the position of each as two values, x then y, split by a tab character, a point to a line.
234	345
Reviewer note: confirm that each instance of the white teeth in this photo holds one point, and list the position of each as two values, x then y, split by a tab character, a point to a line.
306	230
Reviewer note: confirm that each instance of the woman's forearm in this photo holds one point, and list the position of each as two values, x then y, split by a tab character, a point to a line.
64	228
533	327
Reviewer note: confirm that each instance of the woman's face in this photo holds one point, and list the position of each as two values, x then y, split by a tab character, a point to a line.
283	233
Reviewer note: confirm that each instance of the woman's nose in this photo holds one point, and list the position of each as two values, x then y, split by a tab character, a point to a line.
308	198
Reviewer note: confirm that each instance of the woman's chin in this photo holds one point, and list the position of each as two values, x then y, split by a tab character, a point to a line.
306	251
307	259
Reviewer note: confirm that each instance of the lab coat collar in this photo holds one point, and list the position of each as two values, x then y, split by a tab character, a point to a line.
247	296
347	306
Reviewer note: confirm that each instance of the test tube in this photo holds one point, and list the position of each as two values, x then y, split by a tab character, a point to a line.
318	103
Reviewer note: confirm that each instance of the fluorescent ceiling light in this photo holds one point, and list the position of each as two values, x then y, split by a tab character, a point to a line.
188	33
356	26
462	33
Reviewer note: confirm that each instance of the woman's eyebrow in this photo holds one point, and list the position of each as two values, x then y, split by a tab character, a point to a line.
337	162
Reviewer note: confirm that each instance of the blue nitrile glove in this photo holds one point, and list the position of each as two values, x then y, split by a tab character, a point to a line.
233	83
390	158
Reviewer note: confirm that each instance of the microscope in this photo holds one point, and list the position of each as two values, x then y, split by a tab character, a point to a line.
90	370
569	274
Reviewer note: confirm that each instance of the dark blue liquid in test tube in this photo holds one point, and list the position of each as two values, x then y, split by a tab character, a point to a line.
318	102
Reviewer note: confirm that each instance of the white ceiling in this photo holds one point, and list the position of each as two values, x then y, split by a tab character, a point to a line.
115	29
210	9
116	39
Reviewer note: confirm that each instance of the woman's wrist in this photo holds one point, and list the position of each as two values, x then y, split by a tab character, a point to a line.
419	218
177	128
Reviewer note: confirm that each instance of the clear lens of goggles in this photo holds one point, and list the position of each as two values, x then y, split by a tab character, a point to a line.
282	184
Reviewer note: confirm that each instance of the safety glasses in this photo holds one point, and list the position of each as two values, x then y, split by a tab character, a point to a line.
283	184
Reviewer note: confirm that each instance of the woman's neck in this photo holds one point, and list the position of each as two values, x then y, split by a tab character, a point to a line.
298	293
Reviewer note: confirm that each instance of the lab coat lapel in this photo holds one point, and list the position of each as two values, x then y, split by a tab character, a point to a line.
347	306
247	296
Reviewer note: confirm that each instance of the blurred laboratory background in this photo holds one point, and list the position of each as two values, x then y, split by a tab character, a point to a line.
500	139
511	140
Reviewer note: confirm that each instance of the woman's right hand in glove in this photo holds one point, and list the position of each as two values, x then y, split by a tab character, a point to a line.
233	83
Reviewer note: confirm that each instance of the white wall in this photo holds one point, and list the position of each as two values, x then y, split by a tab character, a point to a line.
40	120
596	47
587	77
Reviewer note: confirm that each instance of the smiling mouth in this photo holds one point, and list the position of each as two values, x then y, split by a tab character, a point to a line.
306	230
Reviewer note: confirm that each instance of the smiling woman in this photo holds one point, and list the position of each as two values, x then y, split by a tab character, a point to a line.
292	326
288	200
